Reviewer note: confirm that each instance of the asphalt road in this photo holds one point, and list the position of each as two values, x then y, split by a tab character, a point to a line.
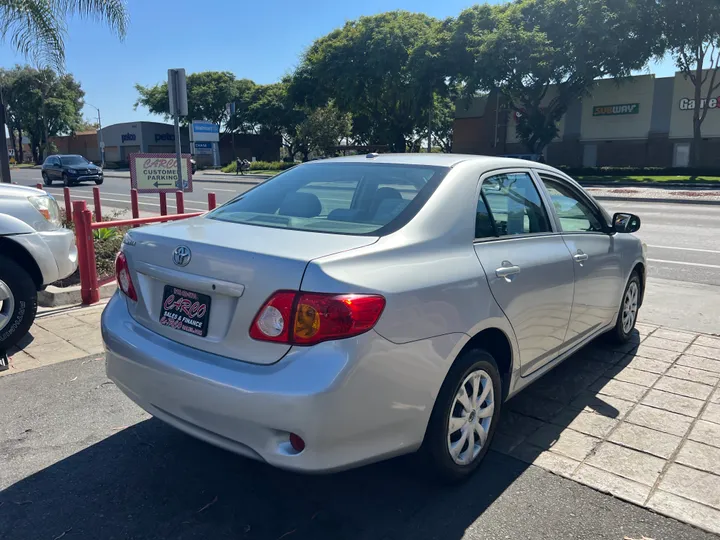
80	461
683	239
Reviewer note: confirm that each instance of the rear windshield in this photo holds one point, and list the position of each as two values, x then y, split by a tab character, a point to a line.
342	198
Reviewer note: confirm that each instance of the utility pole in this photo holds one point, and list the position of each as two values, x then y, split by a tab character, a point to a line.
4	157
177	89
100	136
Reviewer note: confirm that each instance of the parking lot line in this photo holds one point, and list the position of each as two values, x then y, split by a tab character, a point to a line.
684	248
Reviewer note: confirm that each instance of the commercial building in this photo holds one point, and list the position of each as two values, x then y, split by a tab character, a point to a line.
127	138
643	121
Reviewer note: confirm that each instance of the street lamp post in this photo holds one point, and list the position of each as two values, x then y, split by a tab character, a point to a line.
102	144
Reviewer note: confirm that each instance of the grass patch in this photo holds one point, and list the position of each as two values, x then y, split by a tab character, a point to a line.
645	179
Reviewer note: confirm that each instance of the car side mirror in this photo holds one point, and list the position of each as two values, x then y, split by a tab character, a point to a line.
626	223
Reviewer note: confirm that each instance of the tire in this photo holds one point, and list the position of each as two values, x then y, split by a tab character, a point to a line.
46	179
439	437
623	329
99	182
66	180
18	309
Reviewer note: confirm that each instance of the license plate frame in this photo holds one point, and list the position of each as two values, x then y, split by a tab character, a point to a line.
185	310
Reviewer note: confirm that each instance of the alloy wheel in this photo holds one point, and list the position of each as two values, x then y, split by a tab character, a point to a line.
7	304
470	417
630	305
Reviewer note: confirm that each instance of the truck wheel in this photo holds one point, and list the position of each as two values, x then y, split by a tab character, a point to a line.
18	303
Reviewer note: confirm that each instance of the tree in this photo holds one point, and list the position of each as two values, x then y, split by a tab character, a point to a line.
274	111
42	104
36	29
86	124
691	30
544	54
209	92
374	68
322	130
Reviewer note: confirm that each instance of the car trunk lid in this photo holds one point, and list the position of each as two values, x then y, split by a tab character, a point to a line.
232	267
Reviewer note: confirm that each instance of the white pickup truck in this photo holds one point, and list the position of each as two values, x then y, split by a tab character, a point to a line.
35	250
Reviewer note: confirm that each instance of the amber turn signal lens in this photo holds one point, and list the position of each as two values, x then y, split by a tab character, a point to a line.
307	321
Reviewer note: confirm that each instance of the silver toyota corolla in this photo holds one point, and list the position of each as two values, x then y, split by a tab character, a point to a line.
354	309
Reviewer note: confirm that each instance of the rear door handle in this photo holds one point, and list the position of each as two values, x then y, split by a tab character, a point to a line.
507	271
580	257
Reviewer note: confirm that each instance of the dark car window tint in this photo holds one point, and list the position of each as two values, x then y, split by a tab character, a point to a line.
484	227
575	215
344	198
74	160
515	204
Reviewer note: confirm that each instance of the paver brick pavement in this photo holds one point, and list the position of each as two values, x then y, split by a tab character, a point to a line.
641	422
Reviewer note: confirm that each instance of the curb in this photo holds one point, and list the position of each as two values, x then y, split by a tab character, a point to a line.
66	296
656	200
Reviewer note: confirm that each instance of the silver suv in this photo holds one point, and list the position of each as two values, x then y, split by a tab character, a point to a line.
35	250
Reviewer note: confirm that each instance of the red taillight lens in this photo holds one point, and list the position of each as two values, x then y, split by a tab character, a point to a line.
124	281
309	318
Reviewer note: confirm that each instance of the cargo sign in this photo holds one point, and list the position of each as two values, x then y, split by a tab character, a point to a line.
616	110
156	173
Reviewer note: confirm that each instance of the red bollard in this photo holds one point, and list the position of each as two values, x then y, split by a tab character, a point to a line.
212	203
163	203
39	186
89	291
180	201
96	201
134	205
68	204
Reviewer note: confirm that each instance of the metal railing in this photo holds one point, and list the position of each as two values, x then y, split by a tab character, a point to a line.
82	218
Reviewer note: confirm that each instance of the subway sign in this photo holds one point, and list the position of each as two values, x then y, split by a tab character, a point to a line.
687	104
616	110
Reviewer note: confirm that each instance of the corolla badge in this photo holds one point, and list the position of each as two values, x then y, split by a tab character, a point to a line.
182	255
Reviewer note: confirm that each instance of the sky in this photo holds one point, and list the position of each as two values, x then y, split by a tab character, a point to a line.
261	41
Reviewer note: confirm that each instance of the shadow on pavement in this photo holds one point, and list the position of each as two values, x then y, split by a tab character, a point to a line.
151	481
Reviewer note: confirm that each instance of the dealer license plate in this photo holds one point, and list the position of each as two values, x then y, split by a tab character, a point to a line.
185	310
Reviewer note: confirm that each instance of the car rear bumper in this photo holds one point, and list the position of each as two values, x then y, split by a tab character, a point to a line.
352	401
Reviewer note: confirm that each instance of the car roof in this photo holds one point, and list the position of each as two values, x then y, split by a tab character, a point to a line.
436	160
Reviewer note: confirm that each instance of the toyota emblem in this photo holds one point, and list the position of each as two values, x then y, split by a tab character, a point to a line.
182	255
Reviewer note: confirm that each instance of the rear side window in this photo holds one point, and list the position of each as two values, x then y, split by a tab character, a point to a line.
510	204
342	198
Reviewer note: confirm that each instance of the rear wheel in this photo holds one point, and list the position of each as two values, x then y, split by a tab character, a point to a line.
46	179
627	316
465	416
18	303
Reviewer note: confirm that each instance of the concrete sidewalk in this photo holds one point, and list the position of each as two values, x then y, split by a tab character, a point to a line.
641	421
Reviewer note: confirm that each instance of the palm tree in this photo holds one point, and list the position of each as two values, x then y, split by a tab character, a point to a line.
37	29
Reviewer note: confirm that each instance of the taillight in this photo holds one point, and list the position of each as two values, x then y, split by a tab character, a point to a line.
308	318
124	281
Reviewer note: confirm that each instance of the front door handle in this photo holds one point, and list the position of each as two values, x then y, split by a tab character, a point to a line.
580	256
507	270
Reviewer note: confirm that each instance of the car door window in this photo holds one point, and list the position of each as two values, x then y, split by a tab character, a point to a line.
510	204
574	213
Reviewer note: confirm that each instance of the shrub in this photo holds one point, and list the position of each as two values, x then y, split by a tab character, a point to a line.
260	166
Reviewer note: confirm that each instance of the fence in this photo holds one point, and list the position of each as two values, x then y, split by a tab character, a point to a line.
82	218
